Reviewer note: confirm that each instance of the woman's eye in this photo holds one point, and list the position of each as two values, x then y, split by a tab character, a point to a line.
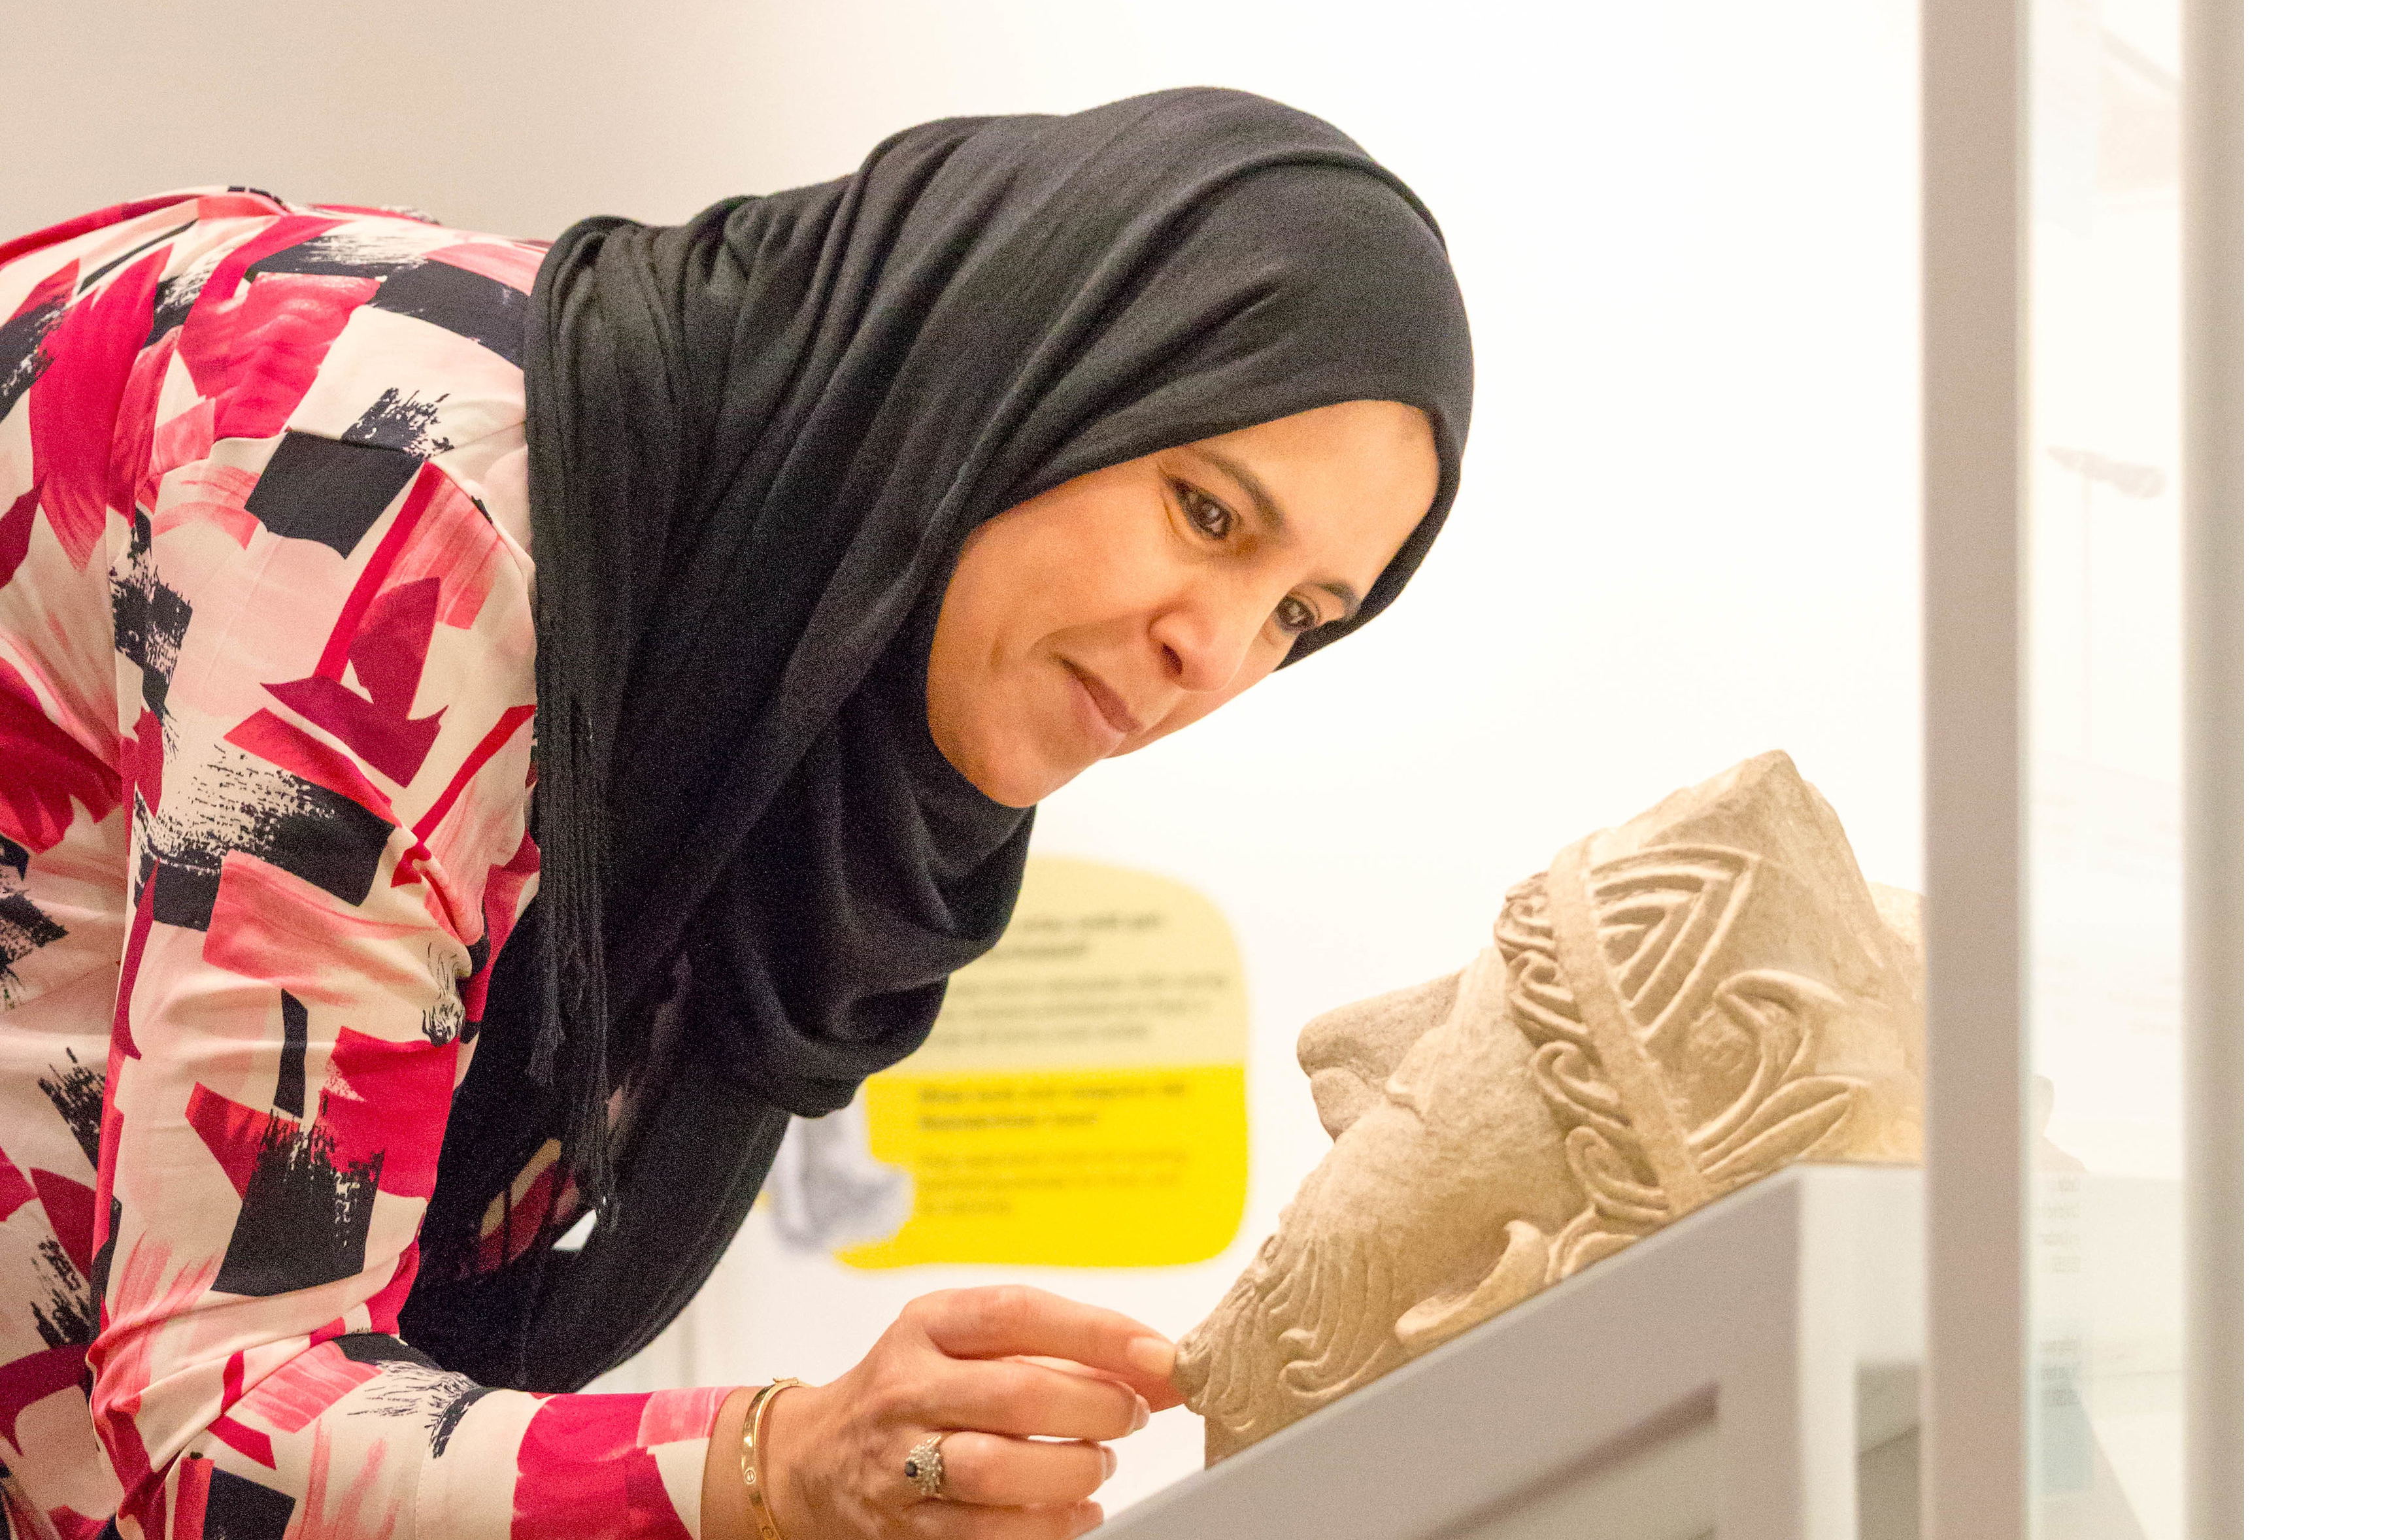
1296	614
1212	519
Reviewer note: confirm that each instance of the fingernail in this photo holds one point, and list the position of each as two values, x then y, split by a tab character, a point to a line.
1152	1356
1140	1414
1108	1466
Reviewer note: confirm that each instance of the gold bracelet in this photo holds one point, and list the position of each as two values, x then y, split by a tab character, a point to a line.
754	1481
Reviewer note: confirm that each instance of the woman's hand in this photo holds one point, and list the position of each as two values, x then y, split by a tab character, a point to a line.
1025	1384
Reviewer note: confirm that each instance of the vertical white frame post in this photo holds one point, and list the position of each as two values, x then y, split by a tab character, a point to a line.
1976	1394
2213	722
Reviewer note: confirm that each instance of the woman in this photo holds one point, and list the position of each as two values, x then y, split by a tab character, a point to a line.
860	517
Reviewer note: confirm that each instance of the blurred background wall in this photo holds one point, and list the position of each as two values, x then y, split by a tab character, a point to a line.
1688	528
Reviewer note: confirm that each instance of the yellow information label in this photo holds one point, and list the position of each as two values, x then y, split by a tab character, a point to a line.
1080	1101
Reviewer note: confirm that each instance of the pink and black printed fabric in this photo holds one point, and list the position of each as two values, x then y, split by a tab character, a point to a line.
266	719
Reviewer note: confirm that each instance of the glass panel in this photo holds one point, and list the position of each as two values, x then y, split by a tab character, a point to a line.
2104	453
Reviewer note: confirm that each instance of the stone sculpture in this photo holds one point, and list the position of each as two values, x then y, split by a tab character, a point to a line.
1677	1007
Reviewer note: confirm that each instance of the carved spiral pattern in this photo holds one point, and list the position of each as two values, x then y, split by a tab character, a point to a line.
1661	917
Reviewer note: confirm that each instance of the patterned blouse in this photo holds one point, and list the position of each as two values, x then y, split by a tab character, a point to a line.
265	723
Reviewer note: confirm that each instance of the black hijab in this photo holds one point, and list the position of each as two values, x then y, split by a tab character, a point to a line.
757	443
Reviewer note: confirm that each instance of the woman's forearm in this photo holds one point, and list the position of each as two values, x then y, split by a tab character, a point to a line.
723	1504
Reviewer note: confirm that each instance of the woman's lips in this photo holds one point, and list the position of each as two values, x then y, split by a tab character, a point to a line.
1109	705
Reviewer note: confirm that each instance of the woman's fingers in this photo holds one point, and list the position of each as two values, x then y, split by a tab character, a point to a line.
1012	1320
964	1521
991	1471
1067	1366
1033	1383
1030	1400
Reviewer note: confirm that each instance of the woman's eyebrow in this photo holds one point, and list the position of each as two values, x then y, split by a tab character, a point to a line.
1269	512
1270	515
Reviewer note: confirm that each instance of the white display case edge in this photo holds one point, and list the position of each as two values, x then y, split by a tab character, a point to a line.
1756	1320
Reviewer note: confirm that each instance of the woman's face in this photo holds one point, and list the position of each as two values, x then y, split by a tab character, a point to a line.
1110	611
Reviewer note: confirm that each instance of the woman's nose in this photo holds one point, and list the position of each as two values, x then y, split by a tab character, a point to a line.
1202	644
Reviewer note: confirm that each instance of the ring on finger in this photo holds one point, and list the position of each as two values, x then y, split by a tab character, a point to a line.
923	1468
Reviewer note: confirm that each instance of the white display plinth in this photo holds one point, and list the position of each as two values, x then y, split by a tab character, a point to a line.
1750	1371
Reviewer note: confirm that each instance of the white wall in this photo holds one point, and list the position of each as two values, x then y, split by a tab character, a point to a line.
2323	542
1689	527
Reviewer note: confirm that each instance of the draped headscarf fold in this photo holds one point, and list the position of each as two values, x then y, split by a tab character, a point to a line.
758	442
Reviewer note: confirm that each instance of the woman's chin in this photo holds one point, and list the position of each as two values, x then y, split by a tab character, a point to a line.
1017	780
1018	794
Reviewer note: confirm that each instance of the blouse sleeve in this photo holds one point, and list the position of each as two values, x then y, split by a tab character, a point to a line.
325	655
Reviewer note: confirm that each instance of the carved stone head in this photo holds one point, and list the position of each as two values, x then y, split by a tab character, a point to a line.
1676	1008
